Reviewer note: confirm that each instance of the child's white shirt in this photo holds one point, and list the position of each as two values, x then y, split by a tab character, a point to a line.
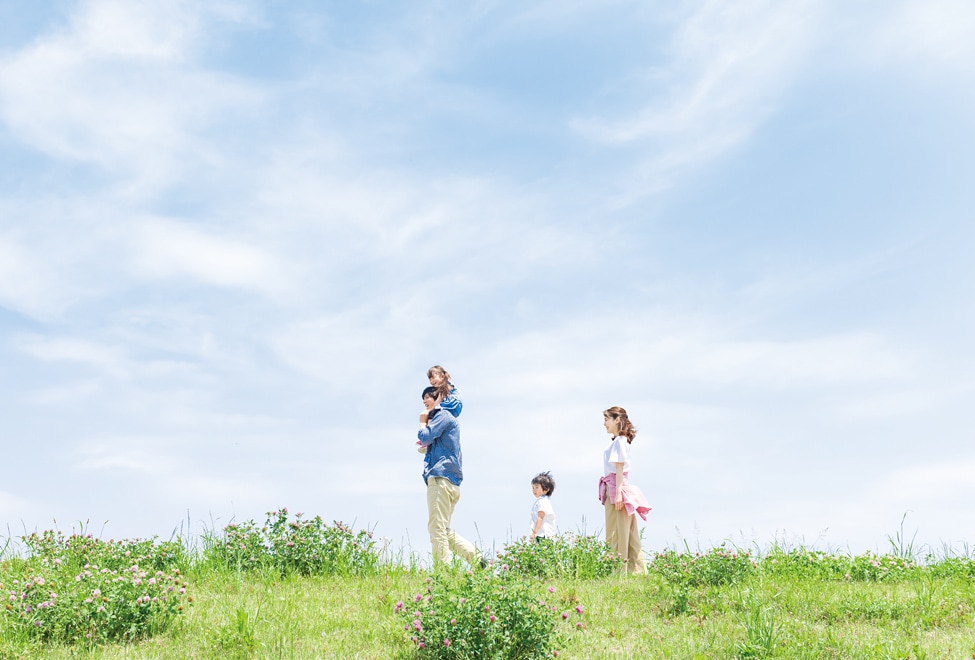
544	503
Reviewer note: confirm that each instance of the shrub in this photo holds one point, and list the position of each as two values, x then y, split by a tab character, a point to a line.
869	567
487	615
241	547
803	562
303	547
567	556
815	564
79	588
951	567
715	567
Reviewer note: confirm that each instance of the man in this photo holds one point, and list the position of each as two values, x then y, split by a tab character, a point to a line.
442	473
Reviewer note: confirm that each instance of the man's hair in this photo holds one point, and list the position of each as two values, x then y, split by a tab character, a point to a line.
429	392
545	480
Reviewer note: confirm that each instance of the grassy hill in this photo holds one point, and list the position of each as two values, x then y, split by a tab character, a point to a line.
332	594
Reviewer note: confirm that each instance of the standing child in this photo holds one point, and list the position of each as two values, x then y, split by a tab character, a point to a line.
543	515
621	499
447	397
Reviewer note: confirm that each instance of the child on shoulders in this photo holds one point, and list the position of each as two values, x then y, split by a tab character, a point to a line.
447	397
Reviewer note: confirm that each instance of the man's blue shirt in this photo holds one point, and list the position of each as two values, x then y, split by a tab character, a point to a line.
441	437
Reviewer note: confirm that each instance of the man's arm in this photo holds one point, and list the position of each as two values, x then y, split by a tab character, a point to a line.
431	429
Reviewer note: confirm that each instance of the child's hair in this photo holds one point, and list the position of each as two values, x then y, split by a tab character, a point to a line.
626	428
431	392
444	389
545	480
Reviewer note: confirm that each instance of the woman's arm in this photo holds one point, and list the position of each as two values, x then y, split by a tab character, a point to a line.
619	486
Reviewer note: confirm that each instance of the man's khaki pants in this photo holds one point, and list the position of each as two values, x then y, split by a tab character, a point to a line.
442	497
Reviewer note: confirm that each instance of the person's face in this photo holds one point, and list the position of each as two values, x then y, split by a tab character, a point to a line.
436	378
612	425
537	490
429	402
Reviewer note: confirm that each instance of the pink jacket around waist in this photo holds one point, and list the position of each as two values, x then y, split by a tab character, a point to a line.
633	498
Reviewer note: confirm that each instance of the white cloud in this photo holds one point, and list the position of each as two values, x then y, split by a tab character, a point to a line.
926	484
931	35
103	358
729	66
164	249
13	506
368	342
25	283
652	351
906	402
112	89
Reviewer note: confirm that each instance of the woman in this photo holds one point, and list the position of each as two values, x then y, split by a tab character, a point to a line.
621	500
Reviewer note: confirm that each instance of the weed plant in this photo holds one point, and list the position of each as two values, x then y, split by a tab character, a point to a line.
867	567
81	589
715	567
566	556
491	615
299	547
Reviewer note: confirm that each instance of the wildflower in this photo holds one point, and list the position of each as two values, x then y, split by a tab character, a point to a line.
492	618
453	622
417	598
579	625
399	604
565	615
446	642
551	590
579	609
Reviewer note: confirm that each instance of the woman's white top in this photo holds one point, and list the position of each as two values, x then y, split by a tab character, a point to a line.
617	452
543	503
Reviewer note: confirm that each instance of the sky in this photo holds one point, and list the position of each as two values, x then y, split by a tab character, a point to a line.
235	234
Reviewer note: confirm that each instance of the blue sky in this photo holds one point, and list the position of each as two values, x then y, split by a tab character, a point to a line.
234	235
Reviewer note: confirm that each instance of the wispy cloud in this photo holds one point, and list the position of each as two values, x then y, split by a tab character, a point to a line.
115	88
26	285
104	359
169	249
930	37
728	67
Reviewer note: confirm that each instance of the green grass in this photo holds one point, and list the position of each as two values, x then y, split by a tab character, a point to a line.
242	615
721	603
